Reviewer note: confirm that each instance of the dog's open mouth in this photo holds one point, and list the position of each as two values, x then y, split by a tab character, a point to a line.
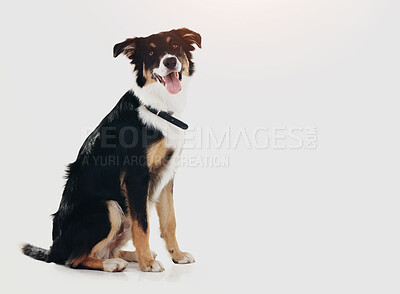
171	81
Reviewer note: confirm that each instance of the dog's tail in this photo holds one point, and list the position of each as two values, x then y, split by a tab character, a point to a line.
36	252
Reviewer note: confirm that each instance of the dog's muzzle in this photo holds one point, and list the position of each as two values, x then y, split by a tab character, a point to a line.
170	74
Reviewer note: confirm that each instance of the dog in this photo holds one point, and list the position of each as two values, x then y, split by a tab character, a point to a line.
128	164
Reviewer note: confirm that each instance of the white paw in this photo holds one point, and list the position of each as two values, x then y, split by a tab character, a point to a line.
114	265
185	258
156	266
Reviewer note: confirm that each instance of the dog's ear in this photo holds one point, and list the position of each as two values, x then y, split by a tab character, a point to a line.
189	37
126	47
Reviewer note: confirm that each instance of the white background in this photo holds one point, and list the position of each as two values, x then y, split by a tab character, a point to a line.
323	220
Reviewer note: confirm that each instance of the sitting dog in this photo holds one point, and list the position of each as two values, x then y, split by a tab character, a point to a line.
127	163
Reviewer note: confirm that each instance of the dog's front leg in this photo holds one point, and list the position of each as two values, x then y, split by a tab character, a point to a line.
166	214
136	190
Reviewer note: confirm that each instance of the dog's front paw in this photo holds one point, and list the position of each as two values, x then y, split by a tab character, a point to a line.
154	266
183	258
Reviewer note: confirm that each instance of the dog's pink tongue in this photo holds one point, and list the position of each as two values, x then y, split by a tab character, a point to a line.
172	83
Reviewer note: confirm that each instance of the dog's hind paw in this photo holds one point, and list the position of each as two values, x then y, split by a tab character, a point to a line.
114	265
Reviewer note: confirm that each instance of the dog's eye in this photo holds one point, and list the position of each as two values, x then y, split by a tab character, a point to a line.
151	53
174	46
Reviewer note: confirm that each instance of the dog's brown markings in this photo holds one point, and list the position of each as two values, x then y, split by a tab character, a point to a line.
77	261
192	38
185	65
158	156
168	39
153	45
148	76
129	48
166	214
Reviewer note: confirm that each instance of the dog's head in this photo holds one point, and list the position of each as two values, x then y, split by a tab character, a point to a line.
161	61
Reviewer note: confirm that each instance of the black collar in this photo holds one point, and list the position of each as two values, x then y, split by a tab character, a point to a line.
168	117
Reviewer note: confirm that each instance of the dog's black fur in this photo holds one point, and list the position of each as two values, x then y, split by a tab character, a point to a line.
116	147
82	218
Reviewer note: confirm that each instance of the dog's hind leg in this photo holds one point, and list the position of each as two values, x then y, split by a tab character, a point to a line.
102	255
107	265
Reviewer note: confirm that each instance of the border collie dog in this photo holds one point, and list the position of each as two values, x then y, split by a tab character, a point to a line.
128	163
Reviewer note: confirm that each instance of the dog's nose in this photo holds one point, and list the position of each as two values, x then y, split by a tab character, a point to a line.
170	62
